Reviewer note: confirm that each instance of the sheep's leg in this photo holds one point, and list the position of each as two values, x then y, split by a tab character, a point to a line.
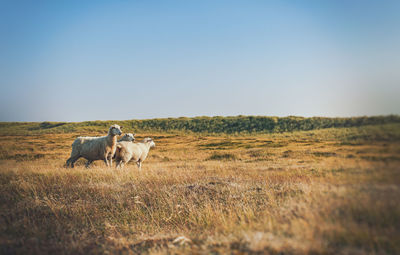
74	157
110	159
68	162
73	160
139	164
106	161
88	163
119	163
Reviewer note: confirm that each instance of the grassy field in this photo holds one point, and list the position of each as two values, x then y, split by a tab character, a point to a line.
329	191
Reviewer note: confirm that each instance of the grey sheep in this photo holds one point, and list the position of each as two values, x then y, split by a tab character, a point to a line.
95	148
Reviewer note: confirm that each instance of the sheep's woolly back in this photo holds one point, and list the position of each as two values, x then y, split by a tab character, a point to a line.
82	139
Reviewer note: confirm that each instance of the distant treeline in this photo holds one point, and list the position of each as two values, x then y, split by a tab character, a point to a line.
228	125
255	124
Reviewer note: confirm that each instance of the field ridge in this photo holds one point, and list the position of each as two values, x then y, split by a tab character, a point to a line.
211	125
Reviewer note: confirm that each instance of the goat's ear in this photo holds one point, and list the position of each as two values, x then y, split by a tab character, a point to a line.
120	127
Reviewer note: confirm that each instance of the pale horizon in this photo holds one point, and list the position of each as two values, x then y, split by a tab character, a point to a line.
81	61
205	116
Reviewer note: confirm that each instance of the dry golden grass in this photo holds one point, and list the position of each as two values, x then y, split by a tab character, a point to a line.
331	191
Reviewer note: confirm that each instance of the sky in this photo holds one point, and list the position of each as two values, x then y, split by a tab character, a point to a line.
119	60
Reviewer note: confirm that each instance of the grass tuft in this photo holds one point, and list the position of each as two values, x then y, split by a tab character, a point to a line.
222	156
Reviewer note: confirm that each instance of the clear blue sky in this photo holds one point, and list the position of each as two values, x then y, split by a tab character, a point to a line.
101	60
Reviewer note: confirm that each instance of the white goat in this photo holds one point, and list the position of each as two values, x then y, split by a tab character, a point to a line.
135	151
95	148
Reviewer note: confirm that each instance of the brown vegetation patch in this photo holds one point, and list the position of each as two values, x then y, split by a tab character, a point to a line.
222	156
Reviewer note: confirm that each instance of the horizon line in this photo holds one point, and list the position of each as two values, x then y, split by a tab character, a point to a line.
205	116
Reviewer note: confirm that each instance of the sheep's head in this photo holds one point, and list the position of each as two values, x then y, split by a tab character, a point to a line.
149	141
115	130
128	137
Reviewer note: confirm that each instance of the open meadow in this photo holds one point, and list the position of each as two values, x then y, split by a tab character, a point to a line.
261	127
327	191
